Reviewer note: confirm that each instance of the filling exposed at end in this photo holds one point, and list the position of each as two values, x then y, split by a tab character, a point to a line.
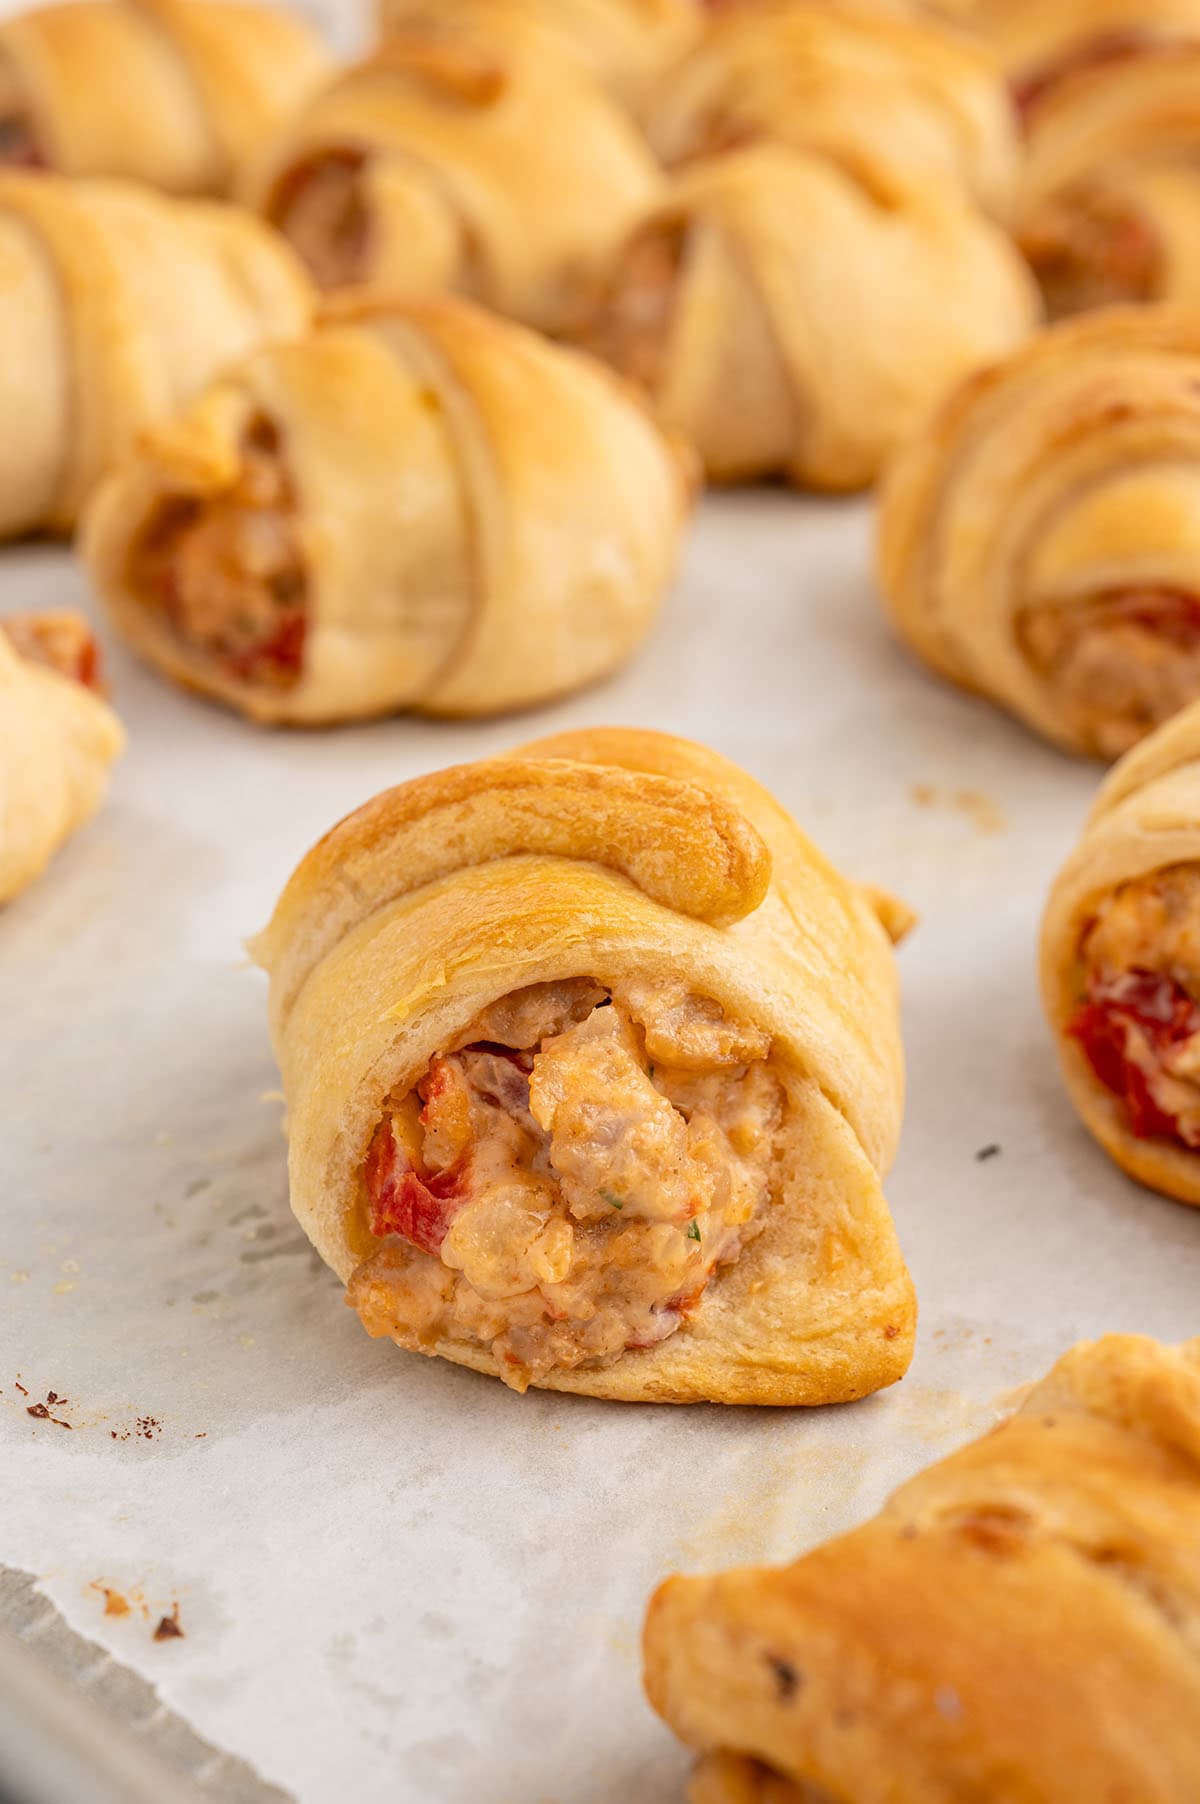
61	641
228	572
1094	250
1138	1020
1119	664
633	324
321	208
563	1183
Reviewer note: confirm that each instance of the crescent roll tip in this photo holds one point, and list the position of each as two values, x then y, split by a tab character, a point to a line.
1006	1626
541	929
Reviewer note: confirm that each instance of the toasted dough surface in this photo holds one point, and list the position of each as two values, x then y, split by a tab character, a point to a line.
1013	1625
173	93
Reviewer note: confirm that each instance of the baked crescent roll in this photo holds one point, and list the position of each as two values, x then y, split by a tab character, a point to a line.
422	507
1109	201
1120	962
1039	541
57	740
441	163
626	44
592	1065
772	359
1014	1625
115	306
883	96
173	93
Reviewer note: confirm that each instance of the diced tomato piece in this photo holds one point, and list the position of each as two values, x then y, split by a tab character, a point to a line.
418	1209
282	653
1163	1012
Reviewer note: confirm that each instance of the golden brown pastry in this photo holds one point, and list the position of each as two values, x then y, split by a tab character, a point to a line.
890	99
1036	41
174	93
1120	961
790	319
116	304
1014	1626
1039	541
1109	201
592	1066
626	44
421	507
441	163
57	740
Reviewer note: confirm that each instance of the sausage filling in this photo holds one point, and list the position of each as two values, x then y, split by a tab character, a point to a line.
1118	664
633	329
1138	1020
227	571
1094	250
563	1183
61	641
321	208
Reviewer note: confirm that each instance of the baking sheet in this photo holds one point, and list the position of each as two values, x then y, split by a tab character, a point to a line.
397	1580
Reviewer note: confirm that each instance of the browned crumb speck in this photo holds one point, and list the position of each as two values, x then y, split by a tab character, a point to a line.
168	1626
979	808
115	1602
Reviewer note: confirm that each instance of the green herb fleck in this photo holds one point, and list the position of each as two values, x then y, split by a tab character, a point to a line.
694	1231
650	1072
614	1201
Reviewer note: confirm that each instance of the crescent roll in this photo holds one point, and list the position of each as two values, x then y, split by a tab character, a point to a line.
57	740
1109	202
592	1066
1039	541
625	44
423	508
115	306
495	171
1120	962
1015	1625
878	94
173	93
776	360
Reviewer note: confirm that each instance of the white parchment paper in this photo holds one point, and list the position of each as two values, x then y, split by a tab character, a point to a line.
397	1580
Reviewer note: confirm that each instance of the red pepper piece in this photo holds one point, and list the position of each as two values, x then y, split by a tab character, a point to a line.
418	1209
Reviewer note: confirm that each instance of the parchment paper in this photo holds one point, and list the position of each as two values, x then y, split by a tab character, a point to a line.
397	1580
